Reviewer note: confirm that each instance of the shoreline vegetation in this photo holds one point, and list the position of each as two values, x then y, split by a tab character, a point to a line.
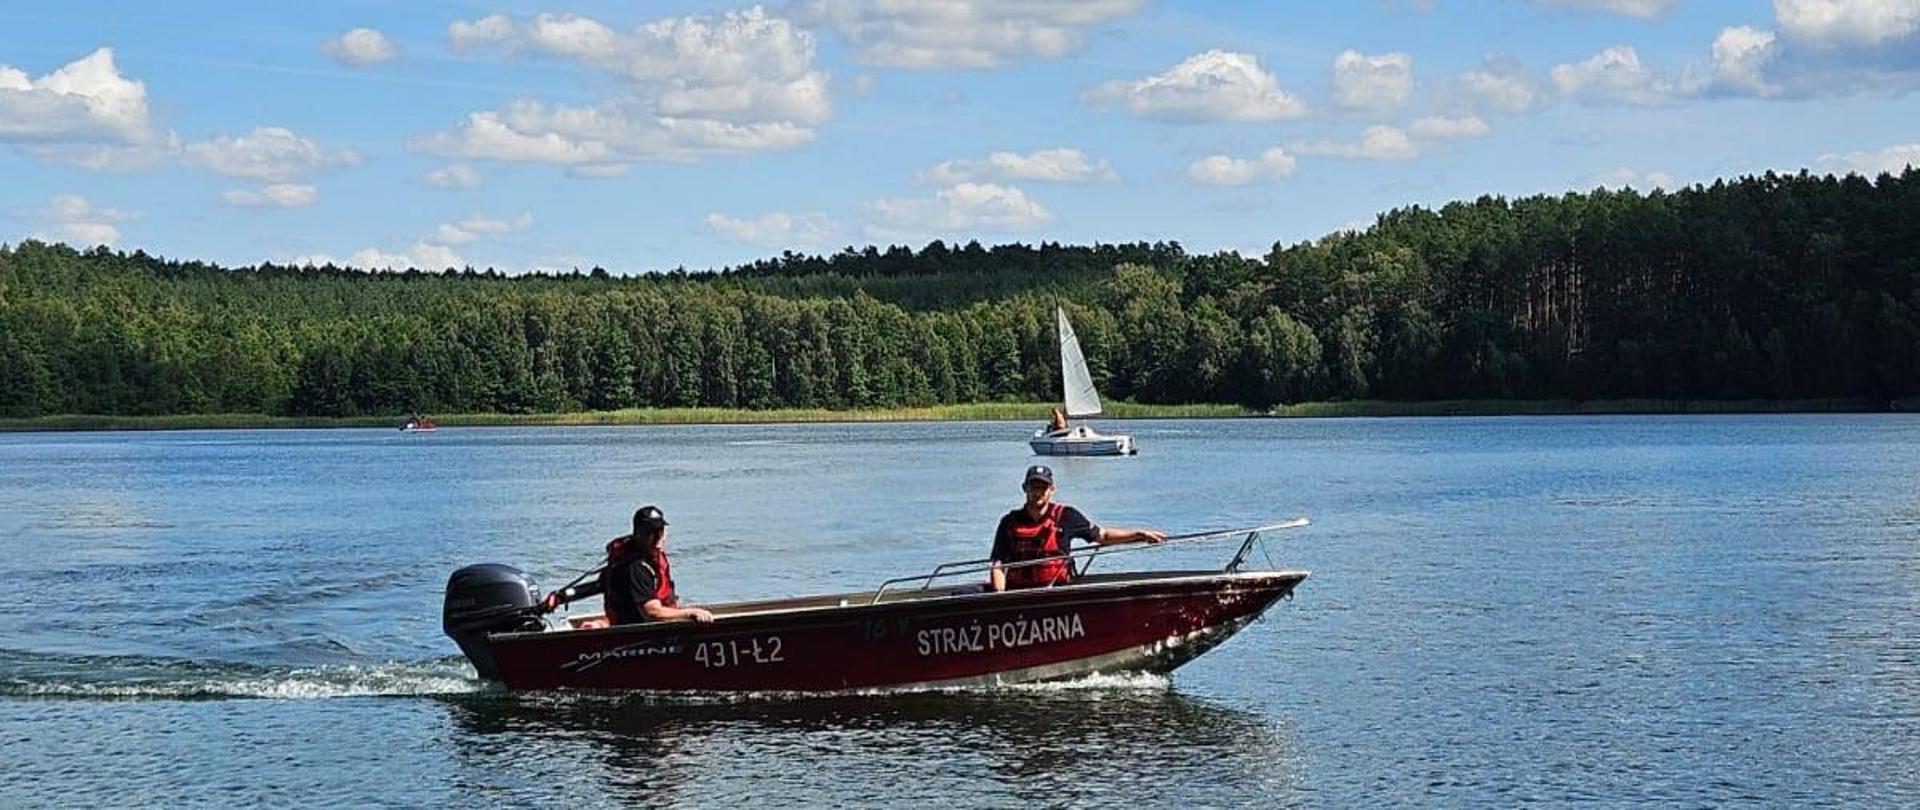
973	412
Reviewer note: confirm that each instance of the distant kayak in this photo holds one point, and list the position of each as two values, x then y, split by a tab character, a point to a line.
419	425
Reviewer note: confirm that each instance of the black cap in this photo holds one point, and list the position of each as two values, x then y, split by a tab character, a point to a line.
1038	472
649	518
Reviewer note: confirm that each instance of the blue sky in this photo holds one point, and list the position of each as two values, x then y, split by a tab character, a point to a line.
644	136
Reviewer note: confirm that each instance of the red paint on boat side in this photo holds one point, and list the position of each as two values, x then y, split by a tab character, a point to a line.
899	643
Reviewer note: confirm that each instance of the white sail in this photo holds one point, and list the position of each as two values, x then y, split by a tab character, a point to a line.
1081	399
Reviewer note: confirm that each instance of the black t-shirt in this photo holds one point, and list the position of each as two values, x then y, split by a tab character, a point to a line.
626	605
1072	525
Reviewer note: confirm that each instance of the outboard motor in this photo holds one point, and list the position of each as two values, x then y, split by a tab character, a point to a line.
488	598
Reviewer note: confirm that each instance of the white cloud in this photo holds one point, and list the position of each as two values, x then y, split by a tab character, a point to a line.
360	47
1624	178
495	29
1740	55
1631	8
963	210
1615	76
421	256
775	230
690	86
1373	82
1442	128
1847	23
1376	143
532	132
453	175
85	100
1502	86
1063	165
273	154
472	228
1212	86
1889	160
960	33
1223	170
280	195
78	222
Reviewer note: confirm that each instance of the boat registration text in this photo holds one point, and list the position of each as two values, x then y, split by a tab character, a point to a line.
1019	632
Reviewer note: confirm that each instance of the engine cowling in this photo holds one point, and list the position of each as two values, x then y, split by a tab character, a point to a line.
484	599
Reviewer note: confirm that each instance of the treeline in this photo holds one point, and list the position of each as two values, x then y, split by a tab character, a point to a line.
1774	286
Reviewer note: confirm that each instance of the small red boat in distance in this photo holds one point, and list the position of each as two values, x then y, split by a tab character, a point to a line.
419	424
909	633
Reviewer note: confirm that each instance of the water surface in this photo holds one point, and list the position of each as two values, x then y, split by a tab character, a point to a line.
1694	610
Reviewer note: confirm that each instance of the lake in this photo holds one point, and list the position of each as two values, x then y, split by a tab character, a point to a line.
1697	610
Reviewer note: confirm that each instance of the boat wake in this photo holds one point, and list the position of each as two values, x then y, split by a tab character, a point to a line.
32	675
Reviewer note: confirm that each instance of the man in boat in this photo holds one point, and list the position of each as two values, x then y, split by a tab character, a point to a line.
1058	422
636	583
1044	530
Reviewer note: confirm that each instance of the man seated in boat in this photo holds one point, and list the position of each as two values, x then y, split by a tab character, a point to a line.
1058	422
637	582
1044	530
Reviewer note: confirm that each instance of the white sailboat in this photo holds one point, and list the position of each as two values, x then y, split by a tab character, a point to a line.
1081	400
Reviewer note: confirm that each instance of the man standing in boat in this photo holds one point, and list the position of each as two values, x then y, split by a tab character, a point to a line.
637	582
1044	530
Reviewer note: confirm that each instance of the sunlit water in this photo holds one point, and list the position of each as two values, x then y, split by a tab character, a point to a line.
1699	611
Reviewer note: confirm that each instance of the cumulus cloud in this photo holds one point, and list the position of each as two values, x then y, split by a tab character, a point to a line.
1614	76
1889	160
79	222
1372	82
1501	85
1212	86
960	33
453	175
777	230
963	210
1829	24
1061	165
1625	178
472	228
1376	143
277	195
360	47
421	256
273	154
1443	128
1223	170
1631	8
491	30
86	100
690	86
1740	55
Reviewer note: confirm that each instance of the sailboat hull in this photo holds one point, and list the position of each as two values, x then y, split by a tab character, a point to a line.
1081	442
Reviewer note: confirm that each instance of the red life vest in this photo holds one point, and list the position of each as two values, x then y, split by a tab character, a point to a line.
623	605
1039	541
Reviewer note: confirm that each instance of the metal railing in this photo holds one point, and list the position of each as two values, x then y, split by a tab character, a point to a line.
1087	555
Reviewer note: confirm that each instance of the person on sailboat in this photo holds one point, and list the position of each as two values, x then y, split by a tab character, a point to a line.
1058	422
1044	530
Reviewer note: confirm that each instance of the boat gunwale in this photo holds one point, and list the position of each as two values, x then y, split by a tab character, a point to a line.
1115	584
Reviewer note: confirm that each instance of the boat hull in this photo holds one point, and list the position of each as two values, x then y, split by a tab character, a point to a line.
1140	623
1081	442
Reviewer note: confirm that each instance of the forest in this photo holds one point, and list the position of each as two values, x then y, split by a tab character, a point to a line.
1774	286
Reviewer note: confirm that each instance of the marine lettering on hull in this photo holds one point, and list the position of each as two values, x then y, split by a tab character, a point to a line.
589	660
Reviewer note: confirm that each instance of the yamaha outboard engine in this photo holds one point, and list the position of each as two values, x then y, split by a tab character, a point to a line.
488	598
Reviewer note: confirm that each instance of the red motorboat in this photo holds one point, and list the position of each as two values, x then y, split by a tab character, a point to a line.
907	633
